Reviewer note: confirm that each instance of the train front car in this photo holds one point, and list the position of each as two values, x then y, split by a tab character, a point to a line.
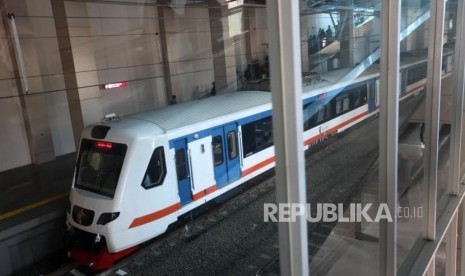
119	162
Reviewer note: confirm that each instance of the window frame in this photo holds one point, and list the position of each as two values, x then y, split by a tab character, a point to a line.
222	150
176	164
150	165
232	150
249	135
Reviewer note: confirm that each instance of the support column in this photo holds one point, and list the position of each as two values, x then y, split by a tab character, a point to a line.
249	12
346	29
286	86
69	71
389	132
457	101
164	49
420	41
215	12
432	107
304	42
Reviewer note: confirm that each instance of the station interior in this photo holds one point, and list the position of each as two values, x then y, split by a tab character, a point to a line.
67	64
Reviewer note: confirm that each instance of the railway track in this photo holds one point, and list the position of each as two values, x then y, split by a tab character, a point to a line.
202	220
258	188
200	223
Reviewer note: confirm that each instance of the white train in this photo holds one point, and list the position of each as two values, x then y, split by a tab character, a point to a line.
136	175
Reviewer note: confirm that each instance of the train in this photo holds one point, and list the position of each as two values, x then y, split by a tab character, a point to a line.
136	175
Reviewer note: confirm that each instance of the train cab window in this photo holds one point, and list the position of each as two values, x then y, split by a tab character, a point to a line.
181	164
99	166
217	150
156	170
232	145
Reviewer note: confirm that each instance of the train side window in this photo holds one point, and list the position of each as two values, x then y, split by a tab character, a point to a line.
316	113
342	103
181	164
416	74
359	96
217	150
232	145
338	107
257	136
156	170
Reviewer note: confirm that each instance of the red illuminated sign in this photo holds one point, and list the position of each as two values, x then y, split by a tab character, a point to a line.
112	85
104	145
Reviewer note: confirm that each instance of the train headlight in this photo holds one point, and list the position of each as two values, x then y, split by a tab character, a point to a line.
107	217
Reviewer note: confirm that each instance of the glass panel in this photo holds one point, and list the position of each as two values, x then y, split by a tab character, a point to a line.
445	119
181	164
217	150
257	136
413	61
341	131
440	259
232	145
85	59
156	169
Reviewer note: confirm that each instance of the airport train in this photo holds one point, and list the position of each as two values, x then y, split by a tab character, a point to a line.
136	175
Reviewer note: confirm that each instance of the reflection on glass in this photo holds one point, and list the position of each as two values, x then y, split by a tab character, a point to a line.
198	49
445	118
340	83
413	59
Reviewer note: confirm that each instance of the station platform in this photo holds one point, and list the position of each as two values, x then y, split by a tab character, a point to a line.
33	202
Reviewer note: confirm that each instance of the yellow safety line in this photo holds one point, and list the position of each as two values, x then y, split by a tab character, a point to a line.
32	206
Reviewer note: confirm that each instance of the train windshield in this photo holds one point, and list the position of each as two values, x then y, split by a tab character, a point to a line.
99	166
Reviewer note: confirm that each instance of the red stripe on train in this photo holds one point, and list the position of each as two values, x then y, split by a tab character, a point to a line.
205	192
155	215
258	166
334	129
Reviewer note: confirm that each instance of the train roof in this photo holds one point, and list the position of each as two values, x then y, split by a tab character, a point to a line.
185	114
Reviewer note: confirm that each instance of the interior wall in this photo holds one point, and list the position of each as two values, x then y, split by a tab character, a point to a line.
13	140
258	34
111	43
189	51
37	125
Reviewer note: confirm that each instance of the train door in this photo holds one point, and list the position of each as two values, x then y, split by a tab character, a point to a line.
225	155
183	171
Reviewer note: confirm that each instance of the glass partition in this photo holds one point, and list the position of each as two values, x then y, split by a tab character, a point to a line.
340	64
413	78
446	107
86	59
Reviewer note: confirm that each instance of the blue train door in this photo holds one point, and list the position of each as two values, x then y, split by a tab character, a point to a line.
225	155
182	171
